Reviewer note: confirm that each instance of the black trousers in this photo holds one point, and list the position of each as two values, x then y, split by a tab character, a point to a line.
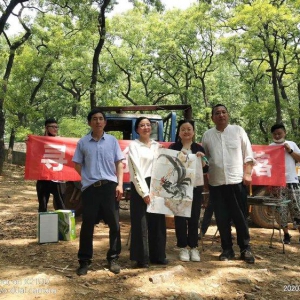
187	228
148	231
230	204
46	187
95	201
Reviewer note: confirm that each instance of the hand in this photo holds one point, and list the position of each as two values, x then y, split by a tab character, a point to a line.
203	158
200	154
247	179
119	192
147	199
287	147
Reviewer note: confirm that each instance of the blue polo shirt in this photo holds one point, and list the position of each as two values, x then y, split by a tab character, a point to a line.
97	158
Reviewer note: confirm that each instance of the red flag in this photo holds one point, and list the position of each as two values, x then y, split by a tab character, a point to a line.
50	158
270	167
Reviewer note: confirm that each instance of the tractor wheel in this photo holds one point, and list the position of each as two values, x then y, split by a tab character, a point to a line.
72	197
262	216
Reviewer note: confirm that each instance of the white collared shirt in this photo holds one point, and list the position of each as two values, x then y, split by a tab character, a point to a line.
140	161
227	151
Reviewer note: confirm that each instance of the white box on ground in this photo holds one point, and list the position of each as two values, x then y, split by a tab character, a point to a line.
47	227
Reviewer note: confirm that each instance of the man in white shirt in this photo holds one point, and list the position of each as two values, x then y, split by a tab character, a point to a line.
230	165
292	189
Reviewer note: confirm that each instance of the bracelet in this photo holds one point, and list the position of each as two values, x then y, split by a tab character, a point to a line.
291	151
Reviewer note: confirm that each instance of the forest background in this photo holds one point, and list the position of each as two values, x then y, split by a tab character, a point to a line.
70	57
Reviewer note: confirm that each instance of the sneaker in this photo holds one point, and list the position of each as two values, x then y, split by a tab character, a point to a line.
114	266
195	255
83	268
287	238
247	256
184	254
227	255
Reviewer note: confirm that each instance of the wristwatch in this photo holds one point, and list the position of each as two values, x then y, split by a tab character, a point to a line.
291	151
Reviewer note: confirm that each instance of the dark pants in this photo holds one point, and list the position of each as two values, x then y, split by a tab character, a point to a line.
95	201
187	228
208	213
148	231
230	204
46	187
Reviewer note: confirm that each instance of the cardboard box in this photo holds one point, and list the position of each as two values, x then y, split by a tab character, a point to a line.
47	227
66	225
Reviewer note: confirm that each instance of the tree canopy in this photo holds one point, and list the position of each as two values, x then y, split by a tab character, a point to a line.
71	56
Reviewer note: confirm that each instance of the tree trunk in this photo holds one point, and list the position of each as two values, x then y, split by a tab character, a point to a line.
102	33
6	76
275	89
9	9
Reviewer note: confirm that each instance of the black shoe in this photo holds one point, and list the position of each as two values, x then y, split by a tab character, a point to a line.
287	238
114	266
227	255
141	265
83	268
247	256
160	262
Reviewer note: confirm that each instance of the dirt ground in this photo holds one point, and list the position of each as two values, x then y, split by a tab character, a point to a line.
29	270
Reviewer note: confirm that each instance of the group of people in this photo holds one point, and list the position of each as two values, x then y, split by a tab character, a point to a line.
98	159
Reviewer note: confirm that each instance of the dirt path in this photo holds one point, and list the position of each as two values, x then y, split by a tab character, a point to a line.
29	270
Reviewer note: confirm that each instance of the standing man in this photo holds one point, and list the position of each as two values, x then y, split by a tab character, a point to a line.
98	159
292	189
46	187
230	165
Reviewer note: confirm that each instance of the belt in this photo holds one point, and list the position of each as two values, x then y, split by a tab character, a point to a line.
100	183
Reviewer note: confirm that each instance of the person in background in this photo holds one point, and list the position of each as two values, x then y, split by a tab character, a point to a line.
292	189
148	230
98	160
46	187
230	165
186	229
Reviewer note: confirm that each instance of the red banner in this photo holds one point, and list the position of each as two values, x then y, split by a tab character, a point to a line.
270	165
50	158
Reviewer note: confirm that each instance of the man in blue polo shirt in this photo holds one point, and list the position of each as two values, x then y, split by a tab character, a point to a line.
98	159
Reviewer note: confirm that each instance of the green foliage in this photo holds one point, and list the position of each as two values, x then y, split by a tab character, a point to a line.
213	52
73	127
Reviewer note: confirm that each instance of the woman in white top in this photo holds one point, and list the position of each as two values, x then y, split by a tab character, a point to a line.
292	189
148	230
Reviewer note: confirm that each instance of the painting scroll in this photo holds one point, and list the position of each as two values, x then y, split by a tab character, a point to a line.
172	182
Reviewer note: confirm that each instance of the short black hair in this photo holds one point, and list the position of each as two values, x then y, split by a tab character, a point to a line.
95	111
138	121
49	121
217	105
277	126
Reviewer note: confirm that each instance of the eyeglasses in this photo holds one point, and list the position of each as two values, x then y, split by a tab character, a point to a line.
53	126
145	125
